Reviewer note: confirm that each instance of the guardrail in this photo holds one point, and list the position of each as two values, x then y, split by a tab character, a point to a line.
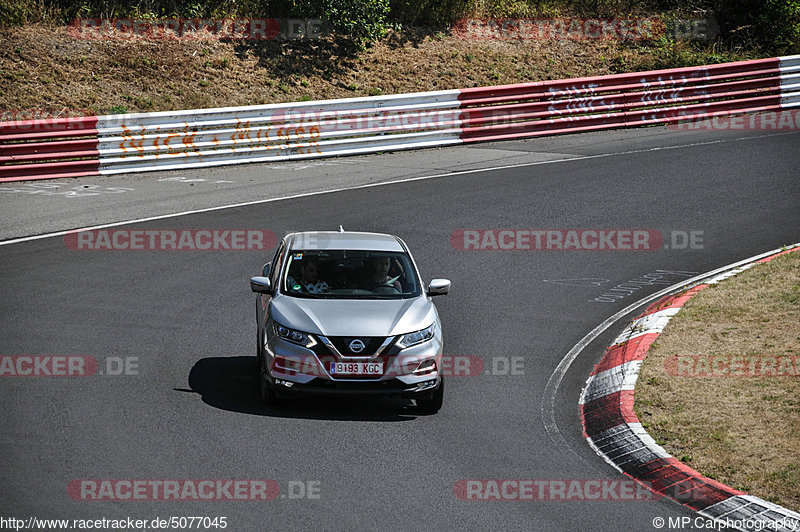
112	144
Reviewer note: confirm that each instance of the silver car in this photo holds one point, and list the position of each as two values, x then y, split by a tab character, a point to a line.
347	313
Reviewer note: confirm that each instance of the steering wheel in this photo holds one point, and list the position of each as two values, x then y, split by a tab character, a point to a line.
390	282
387	284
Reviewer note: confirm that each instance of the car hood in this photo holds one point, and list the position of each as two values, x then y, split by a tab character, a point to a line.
348	317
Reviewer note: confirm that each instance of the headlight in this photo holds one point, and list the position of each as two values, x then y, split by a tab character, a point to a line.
294	336
407	340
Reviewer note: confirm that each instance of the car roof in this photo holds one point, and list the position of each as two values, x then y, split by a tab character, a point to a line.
312	240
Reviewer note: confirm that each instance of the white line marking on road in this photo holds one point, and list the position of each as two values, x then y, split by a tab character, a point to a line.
370	185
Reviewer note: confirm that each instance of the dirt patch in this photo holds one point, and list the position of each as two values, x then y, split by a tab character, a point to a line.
743	431
45	68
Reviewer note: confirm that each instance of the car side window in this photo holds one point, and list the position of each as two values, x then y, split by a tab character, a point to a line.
277	263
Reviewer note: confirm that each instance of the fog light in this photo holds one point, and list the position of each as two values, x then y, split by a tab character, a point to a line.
426	366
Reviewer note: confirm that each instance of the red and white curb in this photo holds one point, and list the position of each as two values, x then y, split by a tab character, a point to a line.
612	429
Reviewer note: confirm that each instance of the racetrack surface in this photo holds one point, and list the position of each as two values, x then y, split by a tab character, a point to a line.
191	412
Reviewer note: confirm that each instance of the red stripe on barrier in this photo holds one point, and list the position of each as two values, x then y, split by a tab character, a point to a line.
672	75
607	412
773	82
670	477
10	151
641	98
48	149
635	349
44	135
674	301
767	259
578	124
19	130
25	172
619	100
34	157
475	117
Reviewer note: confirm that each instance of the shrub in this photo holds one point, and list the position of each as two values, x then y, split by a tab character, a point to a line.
779	26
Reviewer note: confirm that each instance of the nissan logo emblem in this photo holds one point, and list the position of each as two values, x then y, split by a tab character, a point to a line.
356	346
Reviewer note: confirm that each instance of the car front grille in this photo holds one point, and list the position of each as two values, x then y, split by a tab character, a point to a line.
343	343
372	345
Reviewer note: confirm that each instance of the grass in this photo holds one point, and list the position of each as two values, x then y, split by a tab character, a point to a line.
742	431
44	67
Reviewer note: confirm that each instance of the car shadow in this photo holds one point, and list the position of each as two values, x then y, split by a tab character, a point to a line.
230	383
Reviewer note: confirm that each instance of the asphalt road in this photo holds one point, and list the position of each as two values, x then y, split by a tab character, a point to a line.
189	408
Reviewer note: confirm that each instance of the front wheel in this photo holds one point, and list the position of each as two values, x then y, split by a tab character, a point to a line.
259	344
434	403
266	392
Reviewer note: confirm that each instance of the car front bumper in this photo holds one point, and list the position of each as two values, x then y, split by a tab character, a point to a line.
294	369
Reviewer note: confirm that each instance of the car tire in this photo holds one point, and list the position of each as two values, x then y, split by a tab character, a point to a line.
266	392
432	404
259	345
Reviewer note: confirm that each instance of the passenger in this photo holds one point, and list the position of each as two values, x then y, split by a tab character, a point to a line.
309	280
379	274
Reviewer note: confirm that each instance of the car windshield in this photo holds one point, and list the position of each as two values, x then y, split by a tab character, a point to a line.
350	274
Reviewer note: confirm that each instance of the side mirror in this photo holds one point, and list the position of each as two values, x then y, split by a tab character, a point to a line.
265	270
260	285
439	287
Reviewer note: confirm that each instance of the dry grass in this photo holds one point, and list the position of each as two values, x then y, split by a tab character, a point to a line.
742	431
44	68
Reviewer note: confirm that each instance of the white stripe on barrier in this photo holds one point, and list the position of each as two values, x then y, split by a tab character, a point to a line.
731	273
652	323
789	61
648	440
743	510
618	378
277	132
275	137
200	159
372	103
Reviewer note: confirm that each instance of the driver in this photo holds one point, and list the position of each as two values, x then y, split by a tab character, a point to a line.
379	273
309	280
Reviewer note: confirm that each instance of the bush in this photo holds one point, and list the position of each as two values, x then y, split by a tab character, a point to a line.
363	20
779	26
18	12
429	12
773	25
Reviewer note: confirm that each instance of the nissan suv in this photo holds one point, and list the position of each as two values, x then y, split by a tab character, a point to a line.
347	313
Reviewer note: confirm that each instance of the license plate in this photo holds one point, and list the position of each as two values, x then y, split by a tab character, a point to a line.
356	368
